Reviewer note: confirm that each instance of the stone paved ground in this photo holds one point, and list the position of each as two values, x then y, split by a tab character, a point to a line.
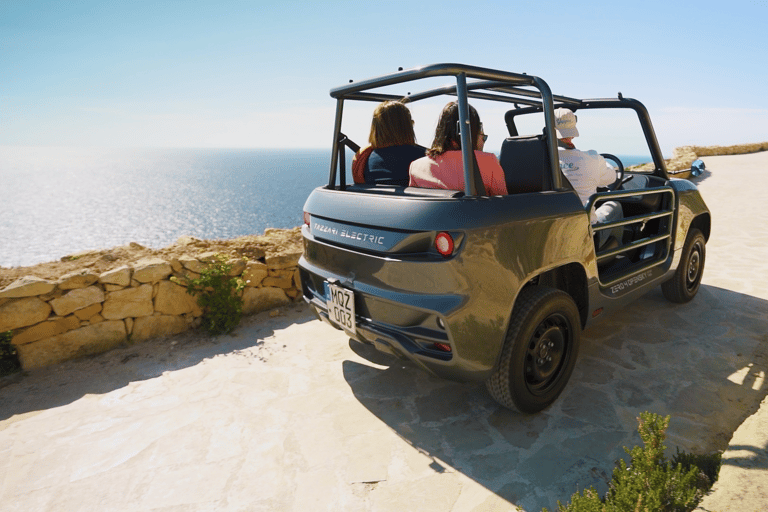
288	415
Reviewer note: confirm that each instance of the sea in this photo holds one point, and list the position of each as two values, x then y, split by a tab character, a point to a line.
61	201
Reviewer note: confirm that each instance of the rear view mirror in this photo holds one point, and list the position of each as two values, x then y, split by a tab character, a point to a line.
697	167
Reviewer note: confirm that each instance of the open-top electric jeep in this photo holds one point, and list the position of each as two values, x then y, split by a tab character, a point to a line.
495	289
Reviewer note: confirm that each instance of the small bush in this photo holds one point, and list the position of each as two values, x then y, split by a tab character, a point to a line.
649	483
709	465
219	295
9	359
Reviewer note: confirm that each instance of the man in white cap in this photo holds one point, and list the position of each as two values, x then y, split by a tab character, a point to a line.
586	170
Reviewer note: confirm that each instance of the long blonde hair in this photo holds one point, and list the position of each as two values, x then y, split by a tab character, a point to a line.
391	125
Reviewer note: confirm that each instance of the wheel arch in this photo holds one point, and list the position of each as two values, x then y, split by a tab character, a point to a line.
703	222
570	278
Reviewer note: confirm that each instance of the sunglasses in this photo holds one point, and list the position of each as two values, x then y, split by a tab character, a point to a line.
458	130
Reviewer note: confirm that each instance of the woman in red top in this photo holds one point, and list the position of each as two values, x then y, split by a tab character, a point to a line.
442	167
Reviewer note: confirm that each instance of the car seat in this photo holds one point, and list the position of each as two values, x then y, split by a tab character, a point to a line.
525	161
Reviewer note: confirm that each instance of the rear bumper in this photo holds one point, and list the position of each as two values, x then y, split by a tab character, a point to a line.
408	332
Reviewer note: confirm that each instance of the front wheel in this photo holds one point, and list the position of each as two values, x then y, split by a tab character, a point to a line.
539	352
687	278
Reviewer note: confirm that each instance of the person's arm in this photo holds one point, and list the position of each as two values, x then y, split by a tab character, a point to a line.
359	162
411	180
492	173
499	179
607	173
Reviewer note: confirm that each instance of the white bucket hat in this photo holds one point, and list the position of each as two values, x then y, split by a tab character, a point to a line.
565	123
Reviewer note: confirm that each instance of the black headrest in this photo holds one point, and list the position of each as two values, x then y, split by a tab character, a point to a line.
526	164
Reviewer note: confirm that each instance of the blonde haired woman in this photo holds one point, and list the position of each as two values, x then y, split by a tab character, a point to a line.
392	147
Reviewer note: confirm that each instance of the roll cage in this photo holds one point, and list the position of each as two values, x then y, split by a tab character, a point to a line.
527	93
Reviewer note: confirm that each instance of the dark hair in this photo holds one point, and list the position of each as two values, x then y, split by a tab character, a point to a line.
391	125
447	135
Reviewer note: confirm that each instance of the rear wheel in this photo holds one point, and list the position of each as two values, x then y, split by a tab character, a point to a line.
687	278
539	352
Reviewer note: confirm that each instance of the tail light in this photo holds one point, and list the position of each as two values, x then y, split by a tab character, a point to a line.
444	243
307	218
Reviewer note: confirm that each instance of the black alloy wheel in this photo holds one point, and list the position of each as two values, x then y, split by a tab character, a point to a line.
684	284
539	352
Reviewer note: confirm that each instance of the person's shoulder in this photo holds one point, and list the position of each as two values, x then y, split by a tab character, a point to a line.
413	150
422	162
483	156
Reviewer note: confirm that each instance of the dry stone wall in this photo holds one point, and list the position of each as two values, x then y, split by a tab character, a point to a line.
684	156
84	312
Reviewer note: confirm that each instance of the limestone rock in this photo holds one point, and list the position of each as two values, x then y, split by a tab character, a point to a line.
151	270
120	276
238	266
80	342
86	313
95	319
77	279
46	329
208	257
190	263
184	277
282	273
55	294
297	279
278	282
77	299
173	299
27	286
176	265
130	302
148	327
187	240
22	313
254	273
283	260
262	299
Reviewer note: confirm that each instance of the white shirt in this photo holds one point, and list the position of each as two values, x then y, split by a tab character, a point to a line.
586	170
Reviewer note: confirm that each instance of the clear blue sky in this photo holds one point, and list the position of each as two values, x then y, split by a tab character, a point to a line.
257	74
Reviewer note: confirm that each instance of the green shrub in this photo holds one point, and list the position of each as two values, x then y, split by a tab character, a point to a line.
650	483
219	295
9	359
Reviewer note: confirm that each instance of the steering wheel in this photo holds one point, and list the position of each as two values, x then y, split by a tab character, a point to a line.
619	173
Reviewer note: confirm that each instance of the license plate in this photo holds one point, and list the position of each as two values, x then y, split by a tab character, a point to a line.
341	307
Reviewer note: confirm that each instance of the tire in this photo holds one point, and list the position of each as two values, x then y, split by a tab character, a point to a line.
687	278
539	352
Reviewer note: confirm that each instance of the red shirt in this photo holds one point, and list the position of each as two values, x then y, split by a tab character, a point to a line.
446	171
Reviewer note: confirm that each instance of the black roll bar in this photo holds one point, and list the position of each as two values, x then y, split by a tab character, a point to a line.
335	150
473	182
602	103
487	84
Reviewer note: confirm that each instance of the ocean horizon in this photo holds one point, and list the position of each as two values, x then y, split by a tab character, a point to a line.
59	201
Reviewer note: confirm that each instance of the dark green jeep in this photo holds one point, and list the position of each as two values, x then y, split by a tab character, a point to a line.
495	289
